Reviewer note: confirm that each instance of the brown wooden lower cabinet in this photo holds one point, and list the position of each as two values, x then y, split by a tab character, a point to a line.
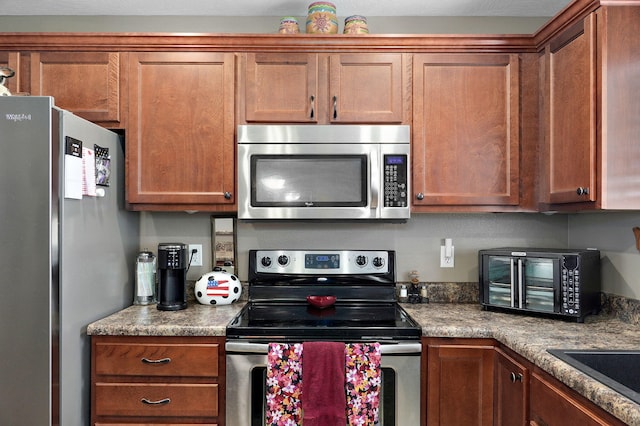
481	382
459	381
157	380
553	403
511	389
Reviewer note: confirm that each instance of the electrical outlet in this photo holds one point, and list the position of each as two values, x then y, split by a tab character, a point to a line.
196	258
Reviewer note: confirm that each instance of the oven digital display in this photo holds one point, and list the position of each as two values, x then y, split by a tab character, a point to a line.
322	261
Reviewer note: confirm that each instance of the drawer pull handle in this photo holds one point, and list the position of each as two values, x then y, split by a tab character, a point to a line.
158	402
156	361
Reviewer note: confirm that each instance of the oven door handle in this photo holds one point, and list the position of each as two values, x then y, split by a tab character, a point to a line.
235	346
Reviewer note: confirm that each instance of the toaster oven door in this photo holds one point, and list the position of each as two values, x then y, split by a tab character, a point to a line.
527	283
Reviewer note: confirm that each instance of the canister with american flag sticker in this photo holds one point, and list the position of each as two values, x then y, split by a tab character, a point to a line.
218	288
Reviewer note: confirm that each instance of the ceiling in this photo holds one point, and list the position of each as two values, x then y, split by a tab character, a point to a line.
521	8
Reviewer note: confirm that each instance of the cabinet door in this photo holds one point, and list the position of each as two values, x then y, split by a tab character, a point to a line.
466	130
86	83
281	87
11	60
366	88
551	404
511	391
570	115
459	384
180	138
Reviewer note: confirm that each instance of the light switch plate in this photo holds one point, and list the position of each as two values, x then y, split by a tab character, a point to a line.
446	262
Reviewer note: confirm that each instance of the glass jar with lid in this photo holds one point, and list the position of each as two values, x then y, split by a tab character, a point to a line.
145	290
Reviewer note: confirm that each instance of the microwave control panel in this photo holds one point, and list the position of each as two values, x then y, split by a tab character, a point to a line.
395	180
570	285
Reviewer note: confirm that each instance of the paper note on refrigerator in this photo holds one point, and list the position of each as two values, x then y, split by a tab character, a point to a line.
88	172
73	175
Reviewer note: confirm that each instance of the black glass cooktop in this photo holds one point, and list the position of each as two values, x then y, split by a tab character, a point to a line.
296	321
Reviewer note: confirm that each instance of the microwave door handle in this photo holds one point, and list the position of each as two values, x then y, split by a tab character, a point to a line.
521	295
375	174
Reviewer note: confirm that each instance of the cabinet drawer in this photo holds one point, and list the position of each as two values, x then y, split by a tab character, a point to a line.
156	400
129	359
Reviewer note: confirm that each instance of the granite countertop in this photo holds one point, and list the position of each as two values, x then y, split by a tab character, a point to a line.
147	320
529	336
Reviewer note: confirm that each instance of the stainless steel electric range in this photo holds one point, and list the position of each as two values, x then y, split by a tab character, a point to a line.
365	310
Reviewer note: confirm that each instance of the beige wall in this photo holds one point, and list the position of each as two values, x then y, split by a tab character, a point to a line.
211	24
417	241
612	234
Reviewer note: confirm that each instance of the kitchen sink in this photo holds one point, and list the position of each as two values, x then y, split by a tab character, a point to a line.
618	369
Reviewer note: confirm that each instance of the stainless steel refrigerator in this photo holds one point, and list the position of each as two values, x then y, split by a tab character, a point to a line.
64	262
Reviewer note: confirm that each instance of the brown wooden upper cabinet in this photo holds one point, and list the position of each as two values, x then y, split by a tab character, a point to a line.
11	60
466	131
570	80
591	102
85	83
180	136
325	88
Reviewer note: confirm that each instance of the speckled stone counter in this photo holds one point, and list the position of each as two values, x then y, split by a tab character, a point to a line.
527	335
532	336
196	320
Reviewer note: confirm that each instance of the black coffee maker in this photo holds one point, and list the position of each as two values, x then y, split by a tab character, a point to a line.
172	268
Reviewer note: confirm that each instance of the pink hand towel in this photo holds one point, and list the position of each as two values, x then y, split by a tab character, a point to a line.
323	384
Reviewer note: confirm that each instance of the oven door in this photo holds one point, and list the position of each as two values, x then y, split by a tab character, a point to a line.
246	379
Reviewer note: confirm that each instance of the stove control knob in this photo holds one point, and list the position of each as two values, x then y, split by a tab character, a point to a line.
378	262
283	260
266	261
361	260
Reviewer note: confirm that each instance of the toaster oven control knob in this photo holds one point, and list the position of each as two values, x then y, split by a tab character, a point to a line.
266	261
283	260
361	260
378	262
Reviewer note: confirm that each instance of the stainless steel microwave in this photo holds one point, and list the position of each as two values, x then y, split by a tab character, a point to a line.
555	282
338	172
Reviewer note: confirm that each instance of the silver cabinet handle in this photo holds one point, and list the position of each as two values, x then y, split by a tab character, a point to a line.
313	103
420	196
582	191
335	107
227	195
156	361
164	401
